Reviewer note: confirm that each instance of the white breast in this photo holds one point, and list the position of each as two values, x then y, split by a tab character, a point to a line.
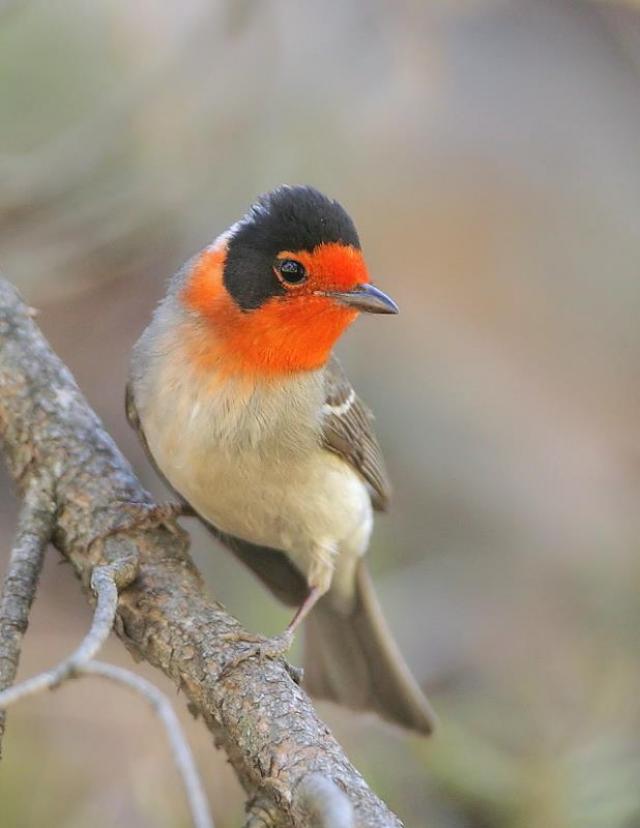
248	458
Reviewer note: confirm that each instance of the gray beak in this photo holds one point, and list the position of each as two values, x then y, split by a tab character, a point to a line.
366	298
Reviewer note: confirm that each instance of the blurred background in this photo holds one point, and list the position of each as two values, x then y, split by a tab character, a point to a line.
489	151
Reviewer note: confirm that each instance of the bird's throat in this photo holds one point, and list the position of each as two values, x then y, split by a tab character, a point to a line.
285	335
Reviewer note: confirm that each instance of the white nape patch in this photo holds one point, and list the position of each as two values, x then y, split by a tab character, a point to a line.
340	410
221	240
253	213
259	208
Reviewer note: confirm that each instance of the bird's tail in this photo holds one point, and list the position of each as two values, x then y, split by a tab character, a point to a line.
352	659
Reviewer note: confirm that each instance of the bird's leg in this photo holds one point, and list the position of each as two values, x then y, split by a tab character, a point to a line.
319	580
279	644
304	609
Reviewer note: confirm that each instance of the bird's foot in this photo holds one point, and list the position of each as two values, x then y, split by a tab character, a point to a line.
134	515
257	646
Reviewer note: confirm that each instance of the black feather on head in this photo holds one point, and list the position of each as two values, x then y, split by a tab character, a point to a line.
288	218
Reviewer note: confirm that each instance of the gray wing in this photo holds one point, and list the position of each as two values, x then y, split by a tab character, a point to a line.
348	432
271	566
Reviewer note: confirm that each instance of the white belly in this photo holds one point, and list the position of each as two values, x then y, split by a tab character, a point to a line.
253	473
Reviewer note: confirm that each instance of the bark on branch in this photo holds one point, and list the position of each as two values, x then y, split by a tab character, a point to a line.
285	757
20	583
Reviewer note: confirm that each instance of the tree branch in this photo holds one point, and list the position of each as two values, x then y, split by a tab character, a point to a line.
20	583
105	582
261	717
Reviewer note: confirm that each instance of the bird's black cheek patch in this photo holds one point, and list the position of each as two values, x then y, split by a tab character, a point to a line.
249	277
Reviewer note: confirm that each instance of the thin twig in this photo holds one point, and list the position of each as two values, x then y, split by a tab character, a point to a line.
21	581
104	583
179	747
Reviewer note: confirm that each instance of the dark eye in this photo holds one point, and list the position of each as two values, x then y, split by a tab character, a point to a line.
291	271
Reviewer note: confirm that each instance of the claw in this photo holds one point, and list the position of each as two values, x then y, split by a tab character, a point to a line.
260	647
150	516
140	516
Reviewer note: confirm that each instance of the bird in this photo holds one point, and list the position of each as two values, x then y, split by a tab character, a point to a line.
246	413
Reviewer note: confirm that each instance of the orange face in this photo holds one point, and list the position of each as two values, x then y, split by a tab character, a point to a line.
289	332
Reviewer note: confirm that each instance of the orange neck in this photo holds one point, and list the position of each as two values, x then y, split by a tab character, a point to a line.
286	335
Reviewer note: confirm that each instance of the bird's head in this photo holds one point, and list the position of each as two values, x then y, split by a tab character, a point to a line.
276	291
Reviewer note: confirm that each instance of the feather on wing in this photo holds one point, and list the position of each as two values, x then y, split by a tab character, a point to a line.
348	432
